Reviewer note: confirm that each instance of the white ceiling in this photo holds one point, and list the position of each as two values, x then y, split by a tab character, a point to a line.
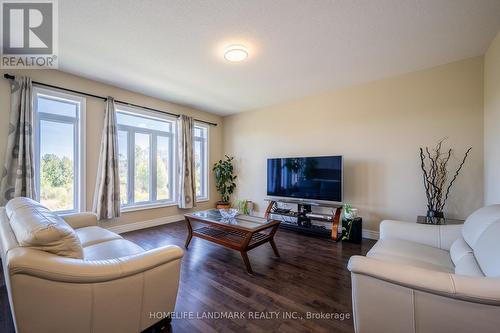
172	49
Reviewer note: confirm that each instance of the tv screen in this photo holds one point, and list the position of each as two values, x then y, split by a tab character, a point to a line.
313	178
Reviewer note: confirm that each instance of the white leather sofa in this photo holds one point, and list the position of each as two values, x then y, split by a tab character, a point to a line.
430	278
72	276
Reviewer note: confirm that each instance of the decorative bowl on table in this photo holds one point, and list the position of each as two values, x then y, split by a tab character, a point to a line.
228	213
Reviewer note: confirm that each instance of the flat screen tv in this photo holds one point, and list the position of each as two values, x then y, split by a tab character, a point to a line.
308	178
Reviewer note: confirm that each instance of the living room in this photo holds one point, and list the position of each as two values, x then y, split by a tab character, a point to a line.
263	166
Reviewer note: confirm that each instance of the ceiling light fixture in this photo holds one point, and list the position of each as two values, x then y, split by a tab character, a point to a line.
235	53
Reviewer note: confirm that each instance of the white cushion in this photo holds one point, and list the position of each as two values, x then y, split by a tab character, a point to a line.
462	256
93	235
478	222
37	227
7	238
487	250
20	202
411	253
112	249
467	265
459	249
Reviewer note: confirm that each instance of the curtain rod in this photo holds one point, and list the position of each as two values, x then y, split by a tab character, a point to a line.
12	77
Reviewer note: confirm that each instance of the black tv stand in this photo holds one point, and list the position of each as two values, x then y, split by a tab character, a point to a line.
303	217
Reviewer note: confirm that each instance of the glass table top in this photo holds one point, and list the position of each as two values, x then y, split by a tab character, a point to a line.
244	221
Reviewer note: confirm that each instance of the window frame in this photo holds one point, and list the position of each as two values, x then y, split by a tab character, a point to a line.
206	160
153	135
79	146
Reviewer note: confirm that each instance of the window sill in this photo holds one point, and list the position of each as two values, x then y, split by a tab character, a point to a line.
135	208
155	205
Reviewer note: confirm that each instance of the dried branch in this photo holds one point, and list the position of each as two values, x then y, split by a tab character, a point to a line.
455	176
424	173
434	164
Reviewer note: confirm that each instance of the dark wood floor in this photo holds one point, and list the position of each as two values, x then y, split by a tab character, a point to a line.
310	277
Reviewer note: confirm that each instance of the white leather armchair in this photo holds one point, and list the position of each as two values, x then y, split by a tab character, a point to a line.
73	276
430	278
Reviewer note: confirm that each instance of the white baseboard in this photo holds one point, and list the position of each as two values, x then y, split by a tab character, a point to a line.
119	229
370	234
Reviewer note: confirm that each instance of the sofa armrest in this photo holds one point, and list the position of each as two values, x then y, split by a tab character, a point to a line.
440	236
472	289
81	220
56	268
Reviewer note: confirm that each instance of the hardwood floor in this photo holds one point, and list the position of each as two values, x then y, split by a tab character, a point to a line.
310	277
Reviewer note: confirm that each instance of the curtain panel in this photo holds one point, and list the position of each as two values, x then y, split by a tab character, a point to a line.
18	174
107	190
186	186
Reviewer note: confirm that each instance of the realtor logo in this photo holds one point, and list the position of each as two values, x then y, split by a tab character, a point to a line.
29	34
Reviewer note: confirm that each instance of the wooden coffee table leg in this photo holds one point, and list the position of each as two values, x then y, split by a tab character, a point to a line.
243	251
190	235
247	262
273	244
275	249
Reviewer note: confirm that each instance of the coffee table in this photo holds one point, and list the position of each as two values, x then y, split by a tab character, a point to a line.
241	233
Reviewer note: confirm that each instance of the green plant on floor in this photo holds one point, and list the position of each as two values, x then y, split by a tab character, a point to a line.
224	178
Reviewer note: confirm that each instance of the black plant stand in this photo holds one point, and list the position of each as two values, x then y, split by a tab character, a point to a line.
351	230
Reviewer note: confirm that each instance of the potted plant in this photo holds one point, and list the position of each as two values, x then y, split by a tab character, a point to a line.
437	183
244	206
351	225
224	180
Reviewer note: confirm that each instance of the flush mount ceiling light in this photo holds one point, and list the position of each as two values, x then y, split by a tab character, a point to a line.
235	53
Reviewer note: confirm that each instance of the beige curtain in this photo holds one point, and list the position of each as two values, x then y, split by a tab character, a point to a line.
107	188
18	174
186	186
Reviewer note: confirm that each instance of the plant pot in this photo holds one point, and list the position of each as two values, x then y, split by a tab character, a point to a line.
223	205
244	206
250	207
432	214
353	214
351	230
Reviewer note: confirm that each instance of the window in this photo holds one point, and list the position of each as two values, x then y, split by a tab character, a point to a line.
146	157
59	150
201	161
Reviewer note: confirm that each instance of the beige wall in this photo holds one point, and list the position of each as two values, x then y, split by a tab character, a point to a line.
378	128
95	114
492	123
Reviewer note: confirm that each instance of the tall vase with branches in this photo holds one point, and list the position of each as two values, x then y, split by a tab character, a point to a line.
434	163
